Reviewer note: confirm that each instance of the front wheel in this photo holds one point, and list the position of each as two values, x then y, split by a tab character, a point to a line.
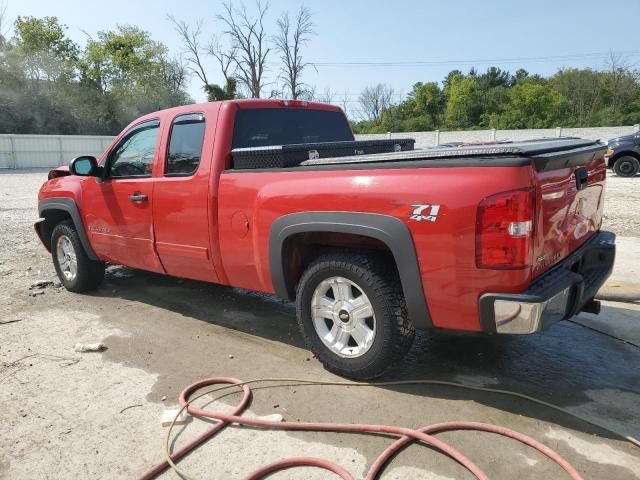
352	315
76	271
626	166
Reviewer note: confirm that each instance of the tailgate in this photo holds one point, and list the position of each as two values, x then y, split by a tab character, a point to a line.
570	192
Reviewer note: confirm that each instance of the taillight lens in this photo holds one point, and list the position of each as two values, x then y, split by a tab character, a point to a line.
504	230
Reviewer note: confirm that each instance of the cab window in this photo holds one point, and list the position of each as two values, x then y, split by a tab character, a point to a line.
133	157
185	145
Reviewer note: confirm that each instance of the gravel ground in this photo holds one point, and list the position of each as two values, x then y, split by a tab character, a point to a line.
622	206
65	414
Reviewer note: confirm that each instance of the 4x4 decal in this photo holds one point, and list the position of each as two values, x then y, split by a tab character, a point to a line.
426	212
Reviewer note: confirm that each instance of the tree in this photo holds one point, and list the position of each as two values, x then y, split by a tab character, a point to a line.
463	102
327	96
428	102
449	77
532	105
583	90
125	73
374	101
4	25
226	58
217	93
45	48
494	77
618	84
521	74
289	42
193	49
249	37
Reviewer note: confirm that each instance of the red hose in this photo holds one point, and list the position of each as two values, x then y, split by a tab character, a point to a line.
406	436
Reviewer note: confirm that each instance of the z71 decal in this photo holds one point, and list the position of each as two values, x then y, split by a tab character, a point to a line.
426	212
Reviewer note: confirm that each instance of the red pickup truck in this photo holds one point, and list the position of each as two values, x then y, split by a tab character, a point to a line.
371	239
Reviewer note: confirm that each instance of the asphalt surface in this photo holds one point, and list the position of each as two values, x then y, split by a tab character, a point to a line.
62	416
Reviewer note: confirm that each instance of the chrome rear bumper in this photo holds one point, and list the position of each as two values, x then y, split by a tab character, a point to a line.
557	295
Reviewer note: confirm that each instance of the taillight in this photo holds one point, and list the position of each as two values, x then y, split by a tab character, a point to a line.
504	230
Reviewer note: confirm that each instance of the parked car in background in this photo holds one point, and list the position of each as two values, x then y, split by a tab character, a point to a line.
623	155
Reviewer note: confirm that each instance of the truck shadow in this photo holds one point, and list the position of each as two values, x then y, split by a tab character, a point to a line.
570	366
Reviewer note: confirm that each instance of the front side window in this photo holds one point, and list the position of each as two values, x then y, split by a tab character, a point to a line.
134	156
185	144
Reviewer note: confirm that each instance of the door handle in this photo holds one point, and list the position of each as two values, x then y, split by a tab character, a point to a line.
138	197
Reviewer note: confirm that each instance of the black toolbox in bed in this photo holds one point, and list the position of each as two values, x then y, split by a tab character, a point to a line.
282	156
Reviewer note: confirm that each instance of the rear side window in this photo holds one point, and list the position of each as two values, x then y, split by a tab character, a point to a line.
185	144
287	126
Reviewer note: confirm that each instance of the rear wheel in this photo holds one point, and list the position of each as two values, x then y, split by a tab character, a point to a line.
626	166
352	315
76	271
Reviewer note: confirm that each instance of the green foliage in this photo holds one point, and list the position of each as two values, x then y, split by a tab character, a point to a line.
531	105
463	108
49	84
498	99
217	93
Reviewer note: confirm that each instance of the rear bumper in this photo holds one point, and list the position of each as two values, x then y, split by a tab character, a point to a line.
557	295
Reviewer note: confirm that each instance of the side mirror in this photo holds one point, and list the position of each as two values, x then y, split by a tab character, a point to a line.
84	166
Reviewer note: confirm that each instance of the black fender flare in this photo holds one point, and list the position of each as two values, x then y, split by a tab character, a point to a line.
69	206
389	230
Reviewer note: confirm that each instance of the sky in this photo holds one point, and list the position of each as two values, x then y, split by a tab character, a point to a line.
423	40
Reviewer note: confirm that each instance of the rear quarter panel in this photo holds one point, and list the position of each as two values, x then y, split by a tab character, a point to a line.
249	203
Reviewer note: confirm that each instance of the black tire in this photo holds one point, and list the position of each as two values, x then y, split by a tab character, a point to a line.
394	333
89	273
627	166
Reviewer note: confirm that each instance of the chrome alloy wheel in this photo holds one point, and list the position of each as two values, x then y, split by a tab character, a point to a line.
67	260
343	317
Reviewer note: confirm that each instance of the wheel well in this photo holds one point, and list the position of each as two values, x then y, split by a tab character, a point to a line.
51	219
299	250
624	153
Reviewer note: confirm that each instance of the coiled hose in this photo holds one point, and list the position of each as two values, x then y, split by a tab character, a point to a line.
405	435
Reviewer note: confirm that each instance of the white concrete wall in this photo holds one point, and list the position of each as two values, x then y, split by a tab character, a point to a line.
33	151
428	139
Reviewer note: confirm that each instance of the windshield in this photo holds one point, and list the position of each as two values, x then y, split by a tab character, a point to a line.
287	126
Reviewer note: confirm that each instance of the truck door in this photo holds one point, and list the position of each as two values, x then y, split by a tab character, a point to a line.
118	209
182	206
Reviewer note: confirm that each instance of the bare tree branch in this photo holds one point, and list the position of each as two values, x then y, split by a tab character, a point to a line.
620	86
289	42
249	38
345	101
375	100
226	57
190	37
4	23
174	73
327	96
308	93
